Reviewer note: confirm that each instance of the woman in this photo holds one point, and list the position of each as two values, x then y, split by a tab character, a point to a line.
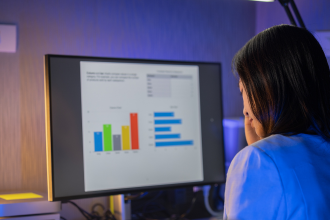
284	173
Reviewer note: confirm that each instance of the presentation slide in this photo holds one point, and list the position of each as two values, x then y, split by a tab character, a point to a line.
141	124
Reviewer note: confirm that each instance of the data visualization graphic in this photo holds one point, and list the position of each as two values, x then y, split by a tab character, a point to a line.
167	119
127	140
141	124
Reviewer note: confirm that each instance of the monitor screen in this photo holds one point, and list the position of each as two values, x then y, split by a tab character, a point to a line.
127	125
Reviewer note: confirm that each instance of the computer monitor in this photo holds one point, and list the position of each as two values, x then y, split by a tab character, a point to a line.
116	126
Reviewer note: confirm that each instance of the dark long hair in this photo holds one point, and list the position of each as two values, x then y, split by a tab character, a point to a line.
287	80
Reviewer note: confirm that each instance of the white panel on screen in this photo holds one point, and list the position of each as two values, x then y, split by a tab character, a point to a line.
324	39
8	38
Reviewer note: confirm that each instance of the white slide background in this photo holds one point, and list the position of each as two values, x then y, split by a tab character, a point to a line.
110	92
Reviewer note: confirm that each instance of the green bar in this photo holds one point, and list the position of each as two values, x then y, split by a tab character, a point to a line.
107	136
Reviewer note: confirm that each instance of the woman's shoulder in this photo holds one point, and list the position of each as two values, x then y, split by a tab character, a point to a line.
300	144
254	187
262	150
290	156
302	164
292	170
278	141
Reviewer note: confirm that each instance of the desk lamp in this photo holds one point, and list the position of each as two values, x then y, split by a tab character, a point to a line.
285	4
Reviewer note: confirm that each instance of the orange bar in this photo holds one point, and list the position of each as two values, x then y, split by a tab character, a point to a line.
134	131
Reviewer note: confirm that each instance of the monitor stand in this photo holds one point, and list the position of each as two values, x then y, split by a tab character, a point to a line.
120	208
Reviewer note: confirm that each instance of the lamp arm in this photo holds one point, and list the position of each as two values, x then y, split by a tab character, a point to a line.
285	4
297	14
289	14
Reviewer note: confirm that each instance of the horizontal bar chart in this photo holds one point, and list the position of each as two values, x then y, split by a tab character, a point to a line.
163	114
174	143
168	121
162	129
167	136
171	138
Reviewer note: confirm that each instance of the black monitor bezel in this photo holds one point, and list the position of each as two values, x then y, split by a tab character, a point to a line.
50	183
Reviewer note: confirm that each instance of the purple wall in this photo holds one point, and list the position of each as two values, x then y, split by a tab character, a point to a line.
315	14
191	30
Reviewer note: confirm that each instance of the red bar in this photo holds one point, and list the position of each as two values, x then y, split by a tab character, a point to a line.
134	131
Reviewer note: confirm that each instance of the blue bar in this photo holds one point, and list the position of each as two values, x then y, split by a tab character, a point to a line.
164	114
172	121
160	129
165	136
174	143
98	141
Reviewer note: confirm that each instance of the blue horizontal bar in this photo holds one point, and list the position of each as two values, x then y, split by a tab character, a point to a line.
172	121
165	136
160	129
164	114
174	143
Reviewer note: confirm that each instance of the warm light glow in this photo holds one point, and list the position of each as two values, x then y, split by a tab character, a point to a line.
262	0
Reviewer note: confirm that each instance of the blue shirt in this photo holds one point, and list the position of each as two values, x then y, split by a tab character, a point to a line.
280	177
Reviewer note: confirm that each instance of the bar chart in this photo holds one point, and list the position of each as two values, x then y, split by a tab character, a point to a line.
140	121
164	137
128	139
